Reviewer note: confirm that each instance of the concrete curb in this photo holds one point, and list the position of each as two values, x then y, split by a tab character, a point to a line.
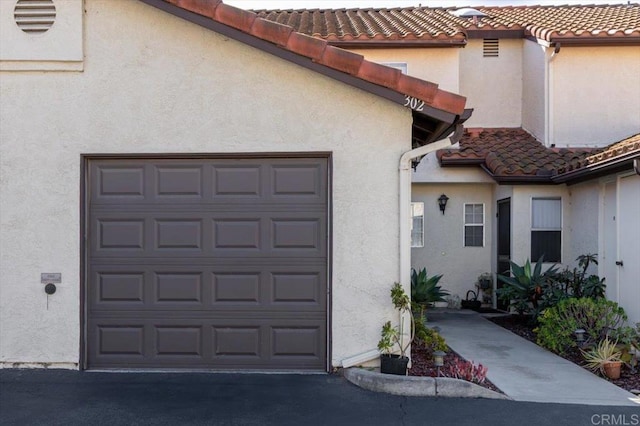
418	386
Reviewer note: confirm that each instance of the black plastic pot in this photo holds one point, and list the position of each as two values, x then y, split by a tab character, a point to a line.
471	304
394	364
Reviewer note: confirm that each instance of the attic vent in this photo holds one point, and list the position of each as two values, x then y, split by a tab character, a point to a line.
490	48
34	16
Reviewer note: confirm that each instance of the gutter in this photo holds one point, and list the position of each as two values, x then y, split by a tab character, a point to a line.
592	171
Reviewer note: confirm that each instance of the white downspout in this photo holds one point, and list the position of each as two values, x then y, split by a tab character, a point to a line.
404	272
549	105
405	206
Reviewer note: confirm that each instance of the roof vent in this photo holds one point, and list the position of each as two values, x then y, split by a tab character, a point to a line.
490	48
34	16
469	13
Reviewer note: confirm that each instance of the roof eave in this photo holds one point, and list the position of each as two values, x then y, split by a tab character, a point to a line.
397	44
480	33
586	41
621	163
452	104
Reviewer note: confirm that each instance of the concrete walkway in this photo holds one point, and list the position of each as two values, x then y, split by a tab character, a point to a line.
521	369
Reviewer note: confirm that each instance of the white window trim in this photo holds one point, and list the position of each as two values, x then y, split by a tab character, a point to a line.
464	224
411	225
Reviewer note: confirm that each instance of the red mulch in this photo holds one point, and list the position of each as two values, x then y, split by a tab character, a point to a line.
522	326
422	365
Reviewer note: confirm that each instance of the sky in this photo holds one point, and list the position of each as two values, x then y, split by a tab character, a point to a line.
338	4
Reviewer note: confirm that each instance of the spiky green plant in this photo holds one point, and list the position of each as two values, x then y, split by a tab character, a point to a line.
604	352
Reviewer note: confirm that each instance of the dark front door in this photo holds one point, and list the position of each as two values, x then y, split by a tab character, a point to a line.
207	263
504	243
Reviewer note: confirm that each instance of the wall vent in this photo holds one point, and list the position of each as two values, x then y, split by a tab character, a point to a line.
490	48
34	16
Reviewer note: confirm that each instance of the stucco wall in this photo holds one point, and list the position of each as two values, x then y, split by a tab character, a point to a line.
533	89
583	220
597	95
429	170
438	65
492	85
444	251
156	84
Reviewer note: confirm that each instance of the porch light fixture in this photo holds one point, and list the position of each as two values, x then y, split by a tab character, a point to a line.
442	202
438	360
580	336
416	162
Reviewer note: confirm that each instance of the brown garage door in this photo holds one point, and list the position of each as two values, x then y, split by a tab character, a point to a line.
212	264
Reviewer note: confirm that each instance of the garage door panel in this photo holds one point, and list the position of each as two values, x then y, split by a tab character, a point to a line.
217	343
206	234
274	287
296	181
179	183
207	263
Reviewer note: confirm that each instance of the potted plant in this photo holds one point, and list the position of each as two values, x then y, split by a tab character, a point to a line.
604	357
485	281
397	337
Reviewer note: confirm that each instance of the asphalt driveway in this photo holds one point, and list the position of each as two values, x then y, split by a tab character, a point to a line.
59	397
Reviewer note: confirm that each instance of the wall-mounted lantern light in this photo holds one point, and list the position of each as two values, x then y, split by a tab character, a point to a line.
442	202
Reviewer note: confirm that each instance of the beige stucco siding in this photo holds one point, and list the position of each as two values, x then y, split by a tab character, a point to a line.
492	85
439	65
156	84
583	219
597	95
444	251
533	89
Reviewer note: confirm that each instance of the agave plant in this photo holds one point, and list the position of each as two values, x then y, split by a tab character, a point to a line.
425	290
524	289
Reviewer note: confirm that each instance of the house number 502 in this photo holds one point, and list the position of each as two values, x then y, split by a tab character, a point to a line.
414	103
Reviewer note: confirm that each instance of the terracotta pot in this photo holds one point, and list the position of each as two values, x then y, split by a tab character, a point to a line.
394	364
612	369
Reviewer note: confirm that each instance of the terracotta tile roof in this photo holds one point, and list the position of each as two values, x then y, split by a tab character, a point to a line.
409	25
320	52
511	155
626	147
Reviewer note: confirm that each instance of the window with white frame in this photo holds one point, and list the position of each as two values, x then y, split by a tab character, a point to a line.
546	229
402	66
417	224
473	225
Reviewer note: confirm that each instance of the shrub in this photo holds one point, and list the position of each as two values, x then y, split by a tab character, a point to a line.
576	282
599	318
428	338
467	370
